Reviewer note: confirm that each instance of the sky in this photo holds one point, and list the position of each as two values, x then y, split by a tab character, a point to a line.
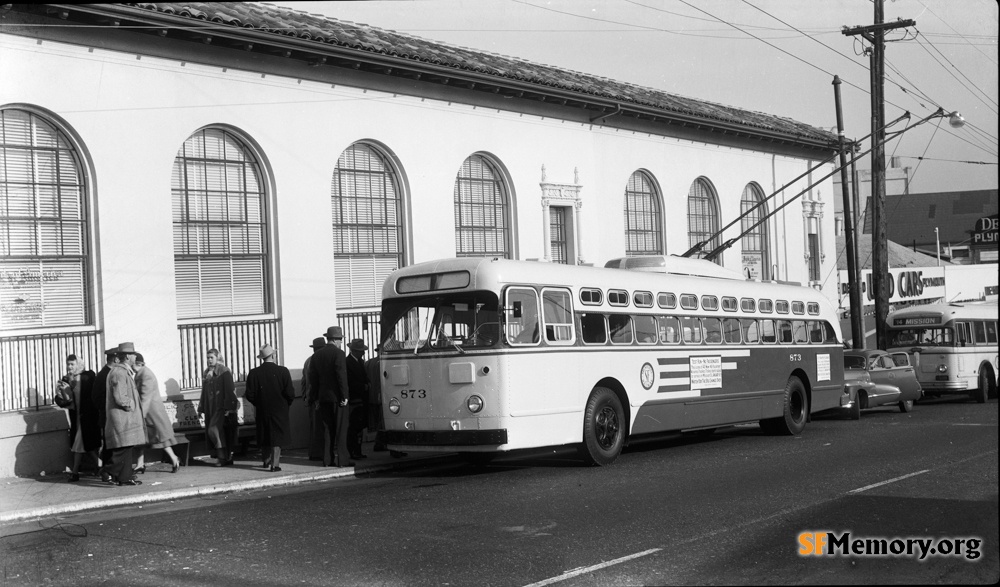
773	56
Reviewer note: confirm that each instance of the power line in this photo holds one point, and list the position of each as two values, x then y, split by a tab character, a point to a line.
992	108
963	37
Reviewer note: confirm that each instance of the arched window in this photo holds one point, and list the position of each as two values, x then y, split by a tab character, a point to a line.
221	249
482	219
367	225
703	217
756	263
45	262
643	229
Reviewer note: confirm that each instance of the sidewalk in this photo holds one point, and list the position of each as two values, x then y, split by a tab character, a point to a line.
28	498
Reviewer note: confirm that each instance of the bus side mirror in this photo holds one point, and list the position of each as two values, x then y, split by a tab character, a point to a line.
517	310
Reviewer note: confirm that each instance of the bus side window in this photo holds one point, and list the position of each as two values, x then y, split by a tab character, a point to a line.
669	330
799	333
751	331
831	334
980	329
731	331
767	334
991	332
620	326
964	335
784	331
557	312
522	329
593	329
645	329
815	332
692	330
713	330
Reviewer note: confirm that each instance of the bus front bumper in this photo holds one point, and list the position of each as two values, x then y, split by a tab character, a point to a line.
445	437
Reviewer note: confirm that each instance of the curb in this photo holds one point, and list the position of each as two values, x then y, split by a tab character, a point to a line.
175	494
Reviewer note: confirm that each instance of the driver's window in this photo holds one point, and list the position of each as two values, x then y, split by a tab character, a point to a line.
901	359
521	316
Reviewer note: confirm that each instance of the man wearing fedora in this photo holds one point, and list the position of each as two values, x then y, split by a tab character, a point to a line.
328	383
317	434
269	389
125	427
357	383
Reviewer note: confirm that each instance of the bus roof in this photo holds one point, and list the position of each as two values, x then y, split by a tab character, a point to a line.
952	311
493	273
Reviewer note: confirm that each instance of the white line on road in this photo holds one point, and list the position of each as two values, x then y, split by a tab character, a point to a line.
873	486
581	571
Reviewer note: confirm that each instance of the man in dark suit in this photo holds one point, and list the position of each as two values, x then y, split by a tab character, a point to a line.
98	397
328	385
357	382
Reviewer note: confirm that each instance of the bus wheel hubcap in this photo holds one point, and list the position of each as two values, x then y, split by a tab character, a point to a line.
607	427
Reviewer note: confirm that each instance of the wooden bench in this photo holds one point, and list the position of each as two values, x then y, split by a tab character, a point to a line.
245	433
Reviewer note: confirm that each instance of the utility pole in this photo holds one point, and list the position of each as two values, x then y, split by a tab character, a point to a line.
854	288
875	34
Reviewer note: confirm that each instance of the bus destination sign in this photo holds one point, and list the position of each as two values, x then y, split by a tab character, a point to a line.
916	321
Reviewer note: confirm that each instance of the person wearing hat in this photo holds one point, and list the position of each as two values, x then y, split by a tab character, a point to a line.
317	434
269	389
328	383
125	428
220	406
99	397
357	383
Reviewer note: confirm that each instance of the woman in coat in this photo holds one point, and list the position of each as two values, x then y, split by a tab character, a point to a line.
219	405
75	390
159	429
269	389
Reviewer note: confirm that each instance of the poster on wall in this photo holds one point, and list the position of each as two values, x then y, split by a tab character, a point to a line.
753	264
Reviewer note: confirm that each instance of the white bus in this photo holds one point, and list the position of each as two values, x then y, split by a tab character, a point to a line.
954	347
491	355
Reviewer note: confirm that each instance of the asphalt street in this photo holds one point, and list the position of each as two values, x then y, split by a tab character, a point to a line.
702	509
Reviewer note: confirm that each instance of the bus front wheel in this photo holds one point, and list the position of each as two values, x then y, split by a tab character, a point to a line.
796	410
982	393
603	427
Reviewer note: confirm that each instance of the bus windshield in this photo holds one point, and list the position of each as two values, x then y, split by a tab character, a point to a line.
921	336
458	321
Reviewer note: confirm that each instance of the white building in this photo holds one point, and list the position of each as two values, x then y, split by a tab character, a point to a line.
186	180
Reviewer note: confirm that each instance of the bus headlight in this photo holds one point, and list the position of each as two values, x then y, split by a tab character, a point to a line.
942	368
474	403
394	405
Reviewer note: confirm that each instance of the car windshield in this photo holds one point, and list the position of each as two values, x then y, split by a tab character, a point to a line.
456	322
852	362
920	336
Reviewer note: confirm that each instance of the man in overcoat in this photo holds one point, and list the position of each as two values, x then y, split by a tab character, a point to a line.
126	427
328	380
357	382
269	389
317	432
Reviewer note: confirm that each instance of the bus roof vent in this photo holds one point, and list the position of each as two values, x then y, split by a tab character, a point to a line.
674	266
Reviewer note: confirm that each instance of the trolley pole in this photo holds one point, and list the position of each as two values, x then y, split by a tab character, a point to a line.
875	34
857	320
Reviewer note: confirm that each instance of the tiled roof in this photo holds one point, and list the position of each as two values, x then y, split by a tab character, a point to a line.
326	31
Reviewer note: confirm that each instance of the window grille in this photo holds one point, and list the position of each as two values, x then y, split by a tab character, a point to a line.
482	228
703	217
367	226
44	228
643	228
221	249
755	242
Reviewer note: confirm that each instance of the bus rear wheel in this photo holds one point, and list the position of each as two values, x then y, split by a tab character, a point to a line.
796	411
603	427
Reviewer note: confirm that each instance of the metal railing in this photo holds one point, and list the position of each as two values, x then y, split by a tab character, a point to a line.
237	341
31	365
361	325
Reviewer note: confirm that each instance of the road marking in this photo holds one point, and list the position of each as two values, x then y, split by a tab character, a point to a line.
581	571
873	486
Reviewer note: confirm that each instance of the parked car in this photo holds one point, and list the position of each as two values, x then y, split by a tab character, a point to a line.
875	378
